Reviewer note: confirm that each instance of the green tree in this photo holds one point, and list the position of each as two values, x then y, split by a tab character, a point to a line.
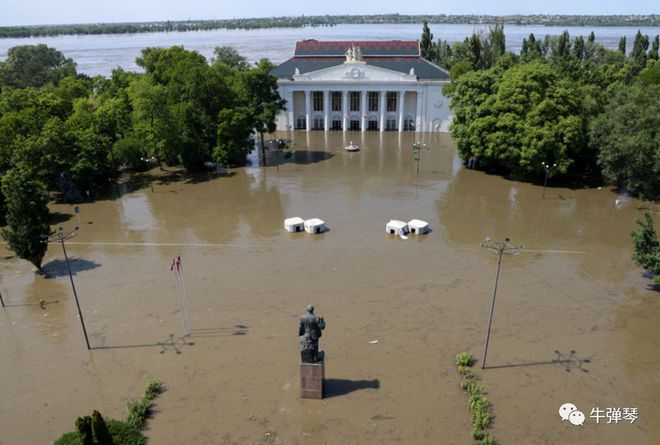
443	56
234	130
531	49
230	57
261	98
653	52
34	66
627	138
27	216
84	428
622	45
426	45
100	433
638	54
647	246
515	122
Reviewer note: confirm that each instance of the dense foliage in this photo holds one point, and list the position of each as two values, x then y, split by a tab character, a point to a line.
325	20
569	103
94	430
647	246
121	432
27	216
628	136
62	131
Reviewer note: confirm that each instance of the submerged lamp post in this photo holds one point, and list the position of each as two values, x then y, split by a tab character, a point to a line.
417	147
547	168
60	236
500	249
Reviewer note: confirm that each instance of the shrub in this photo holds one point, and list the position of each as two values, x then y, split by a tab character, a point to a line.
121	433
137	412
154	387
465	359
488	440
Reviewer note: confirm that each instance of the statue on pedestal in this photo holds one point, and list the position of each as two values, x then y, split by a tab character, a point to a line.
309	330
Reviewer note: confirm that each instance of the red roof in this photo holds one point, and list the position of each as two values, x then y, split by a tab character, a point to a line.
386	48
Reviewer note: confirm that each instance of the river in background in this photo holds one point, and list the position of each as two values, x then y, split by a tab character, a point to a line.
398	311
99	54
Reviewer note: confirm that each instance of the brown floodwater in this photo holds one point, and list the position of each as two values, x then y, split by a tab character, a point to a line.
425	299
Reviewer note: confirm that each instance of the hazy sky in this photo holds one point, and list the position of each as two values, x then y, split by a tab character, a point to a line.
24	12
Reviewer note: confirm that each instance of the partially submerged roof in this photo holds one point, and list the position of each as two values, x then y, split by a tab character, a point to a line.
395	55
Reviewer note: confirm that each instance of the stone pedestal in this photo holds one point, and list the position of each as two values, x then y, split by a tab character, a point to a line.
312	376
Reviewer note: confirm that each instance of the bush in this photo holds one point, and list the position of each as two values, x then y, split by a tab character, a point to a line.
465	359
121	433
137	412
154	387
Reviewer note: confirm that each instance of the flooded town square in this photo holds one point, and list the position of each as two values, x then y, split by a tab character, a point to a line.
575	320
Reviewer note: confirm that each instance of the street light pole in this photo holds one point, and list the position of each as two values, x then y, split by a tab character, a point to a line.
60	237
500	249
417	147
547	168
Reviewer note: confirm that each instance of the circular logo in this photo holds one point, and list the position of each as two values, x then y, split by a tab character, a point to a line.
355	73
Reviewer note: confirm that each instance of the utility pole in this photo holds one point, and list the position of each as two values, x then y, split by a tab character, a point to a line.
417	146
60	236
547	168
500	249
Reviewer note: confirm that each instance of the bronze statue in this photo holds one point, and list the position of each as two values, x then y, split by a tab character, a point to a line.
309	330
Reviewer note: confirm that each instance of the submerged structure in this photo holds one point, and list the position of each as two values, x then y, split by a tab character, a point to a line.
361	86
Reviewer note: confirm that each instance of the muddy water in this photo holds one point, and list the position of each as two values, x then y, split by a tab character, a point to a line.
573	288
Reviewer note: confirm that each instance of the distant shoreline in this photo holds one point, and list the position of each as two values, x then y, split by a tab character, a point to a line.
315	21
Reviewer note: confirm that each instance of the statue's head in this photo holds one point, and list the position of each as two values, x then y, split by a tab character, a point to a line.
310	308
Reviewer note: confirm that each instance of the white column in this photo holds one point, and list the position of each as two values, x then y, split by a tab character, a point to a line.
344	110
402	96
290	112
308	109
418	117
363	110
326	109
382	111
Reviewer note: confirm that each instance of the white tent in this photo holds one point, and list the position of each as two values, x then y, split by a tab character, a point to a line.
314	225
295	224
418	226
396	227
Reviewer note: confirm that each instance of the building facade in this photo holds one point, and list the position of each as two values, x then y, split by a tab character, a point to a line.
361	86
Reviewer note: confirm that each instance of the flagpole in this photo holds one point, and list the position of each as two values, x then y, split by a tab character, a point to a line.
176	268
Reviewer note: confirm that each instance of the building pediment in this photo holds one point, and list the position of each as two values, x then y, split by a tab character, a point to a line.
355	71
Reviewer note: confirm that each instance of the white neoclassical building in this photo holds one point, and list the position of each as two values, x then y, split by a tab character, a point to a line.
362	86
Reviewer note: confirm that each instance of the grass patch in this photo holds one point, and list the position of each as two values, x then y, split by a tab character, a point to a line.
479	405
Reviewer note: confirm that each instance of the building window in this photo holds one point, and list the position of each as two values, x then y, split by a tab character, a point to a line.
318	123
355	125
390	124
354	100
373	100
408	123
336	101
391	101
317	99
301	123
372	126
336	125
